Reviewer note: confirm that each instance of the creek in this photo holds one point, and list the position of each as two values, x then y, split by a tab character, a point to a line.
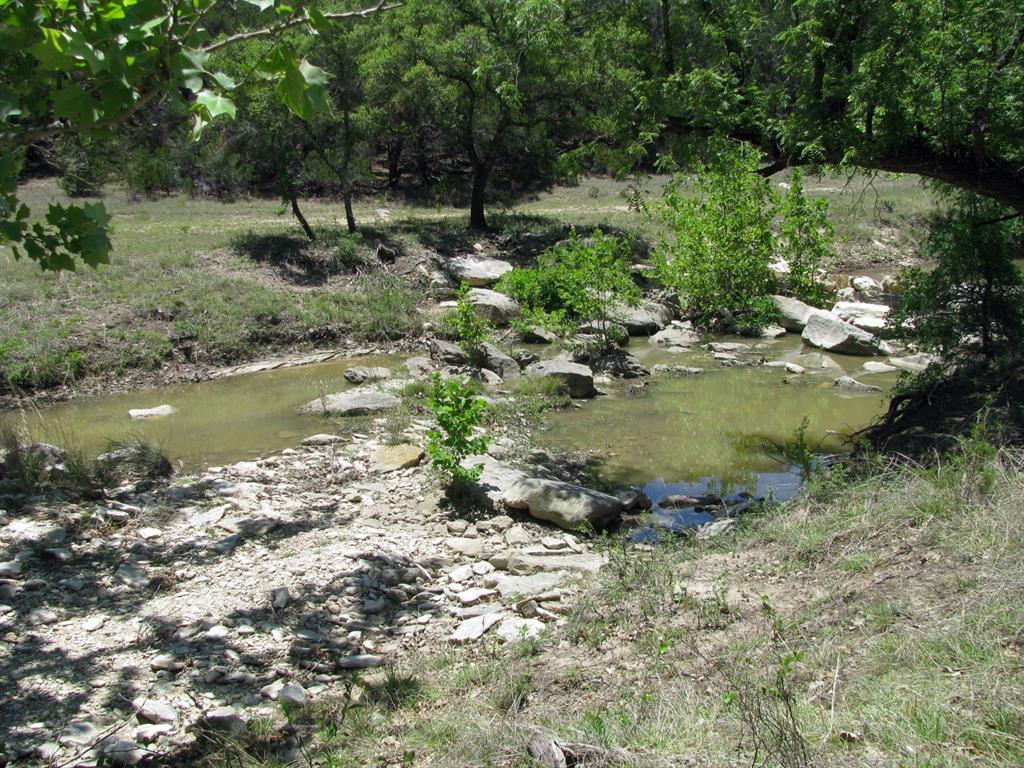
710	432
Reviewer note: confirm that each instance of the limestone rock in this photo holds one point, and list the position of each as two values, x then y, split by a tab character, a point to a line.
153	711
578	379
391	458
513	629
793	313
495	307
503	365
828	332
565	504
477	272
137	414
642	319
322	439
474	628
445	352
675	337
360	374
873	366
224	720
355	402
854	387
294	695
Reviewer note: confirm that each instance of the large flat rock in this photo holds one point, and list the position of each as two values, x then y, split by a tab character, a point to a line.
828	332
477	271
567	505
642	319
577	378
496	307
355	402
793	313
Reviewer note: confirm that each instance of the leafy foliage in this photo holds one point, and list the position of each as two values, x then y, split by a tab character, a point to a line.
726	236
806	241
722	243
459	411
470	328
81	69
974	297
581	279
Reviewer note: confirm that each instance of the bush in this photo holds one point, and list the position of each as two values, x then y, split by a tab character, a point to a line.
148	173
576	281
470	329
724	239
458	410
974	298
806	241
722	244
83	165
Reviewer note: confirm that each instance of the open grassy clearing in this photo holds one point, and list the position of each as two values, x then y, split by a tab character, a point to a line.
874	622
202	282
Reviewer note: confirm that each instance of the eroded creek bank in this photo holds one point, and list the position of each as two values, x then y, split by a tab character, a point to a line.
274	565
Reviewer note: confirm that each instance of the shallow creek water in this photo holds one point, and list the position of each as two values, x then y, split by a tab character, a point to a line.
688	435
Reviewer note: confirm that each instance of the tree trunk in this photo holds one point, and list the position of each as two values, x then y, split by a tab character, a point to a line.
668	52
394	153
297	212
350	218
477	219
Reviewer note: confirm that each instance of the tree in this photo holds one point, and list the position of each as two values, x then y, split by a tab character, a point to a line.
85	68
973	300
507	80
930	87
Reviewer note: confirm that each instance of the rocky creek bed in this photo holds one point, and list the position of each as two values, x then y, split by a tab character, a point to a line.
133	624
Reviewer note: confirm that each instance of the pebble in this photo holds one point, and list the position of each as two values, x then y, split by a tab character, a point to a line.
293	694
10	569
279	598
217	632
359	661
93	623
166	663
147	534
41	616
132	576
224	720
153	711
474	628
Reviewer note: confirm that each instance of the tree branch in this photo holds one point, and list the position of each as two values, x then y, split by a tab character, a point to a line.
276	29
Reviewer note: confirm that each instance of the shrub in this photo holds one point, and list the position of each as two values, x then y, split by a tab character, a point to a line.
805	241
83	165
575	281
725	237
974	298
722	244
148	173
458	411
471	330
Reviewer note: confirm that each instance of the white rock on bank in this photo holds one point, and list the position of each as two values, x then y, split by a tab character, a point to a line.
828	332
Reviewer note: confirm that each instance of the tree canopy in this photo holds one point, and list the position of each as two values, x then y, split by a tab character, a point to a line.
463	94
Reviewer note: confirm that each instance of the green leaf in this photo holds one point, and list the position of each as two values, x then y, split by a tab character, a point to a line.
215	104
225	81
313	74
50	51
75	104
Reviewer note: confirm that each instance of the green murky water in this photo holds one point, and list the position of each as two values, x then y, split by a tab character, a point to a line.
216	422
708	432
677	435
